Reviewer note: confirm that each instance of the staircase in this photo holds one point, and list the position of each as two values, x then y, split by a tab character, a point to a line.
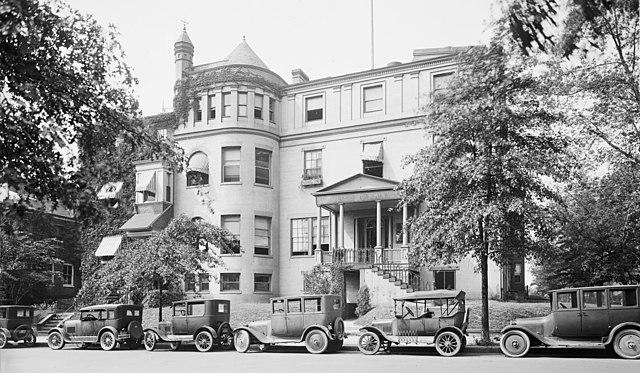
51	321
398	274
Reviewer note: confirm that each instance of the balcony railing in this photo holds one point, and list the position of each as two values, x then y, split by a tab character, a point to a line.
364	256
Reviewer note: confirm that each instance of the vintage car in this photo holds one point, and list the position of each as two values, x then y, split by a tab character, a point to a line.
434	317
314	319
16	324
106	324
203	321
598	316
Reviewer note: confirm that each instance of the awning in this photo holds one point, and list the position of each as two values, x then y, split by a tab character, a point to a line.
140	222
372	152
111	190
109	246
199	162
146	182
140	225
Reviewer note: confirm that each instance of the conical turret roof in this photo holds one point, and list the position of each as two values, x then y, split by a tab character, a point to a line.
244	55
184	37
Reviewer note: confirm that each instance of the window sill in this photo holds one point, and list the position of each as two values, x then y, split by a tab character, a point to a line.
262	292
312	182
230	292
196	186
263	185
229	255
266	256
231	183
306	256
67	286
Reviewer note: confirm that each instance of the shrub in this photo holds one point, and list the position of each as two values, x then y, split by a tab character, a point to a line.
364	301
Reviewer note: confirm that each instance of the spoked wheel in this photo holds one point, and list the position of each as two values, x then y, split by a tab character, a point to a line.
204	341
369	343
150	341
242	341
175	346
3	339
225	335
30	340
448	343
316	341
55	340
515	343
626	344
108	341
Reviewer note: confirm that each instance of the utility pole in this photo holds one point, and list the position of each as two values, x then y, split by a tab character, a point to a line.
372	58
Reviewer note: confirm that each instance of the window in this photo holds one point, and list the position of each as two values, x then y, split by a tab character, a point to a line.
145	186
312	305
312	164
111	314
203	279
300	237
623	298
257	106
3	313
67	275
198	169
242	104
372	168
277	306
263	167
190	282
230	164
372	100
567	300
517	273
179	309
212	106
229	282
261	283
593	299
262	235
324	231
372	158
197	111
441	81
195	309
445	279
226	105
272	110
314	108
294	305
232	224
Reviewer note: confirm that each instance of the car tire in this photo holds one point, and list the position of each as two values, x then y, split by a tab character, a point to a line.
55	340
225	337
242	341
448	343
150	340
30	340
3	340
369	343
204	341
515	343
626	344
316	341
175	345
108	341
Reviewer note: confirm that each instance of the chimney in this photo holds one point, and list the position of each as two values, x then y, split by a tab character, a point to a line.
298	76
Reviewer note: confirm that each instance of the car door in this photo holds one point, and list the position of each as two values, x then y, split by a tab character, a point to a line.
567	314
195	316
179	321
295	318
595	315
278	318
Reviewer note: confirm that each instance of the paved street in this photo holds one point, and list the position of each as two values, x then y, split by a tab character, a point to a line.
289	359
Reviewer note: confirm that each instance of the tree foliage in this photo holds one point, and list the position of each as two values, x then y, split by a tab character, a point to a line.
479	183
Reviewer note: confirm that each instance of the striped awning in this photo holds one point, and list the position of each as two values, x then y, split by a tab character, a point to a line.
111	190
146	182
109	245
372	152
199	162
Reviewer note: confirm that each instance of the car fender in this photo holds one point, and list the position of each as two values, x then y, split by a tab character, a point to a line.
162	337
108	328
7	333
382	335
61	331
254	333
453	329
626	325
534	336
207	328
321	327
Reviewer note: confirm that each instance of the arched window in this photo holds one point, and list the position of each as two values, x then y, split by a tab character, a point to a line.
198	169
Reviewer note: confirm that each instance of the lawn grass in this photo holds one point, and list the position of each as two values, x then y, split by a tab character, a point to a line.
500	313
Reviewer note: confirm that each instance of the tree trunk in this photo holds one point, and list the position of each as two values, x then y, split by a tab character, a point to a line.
484	258
160	302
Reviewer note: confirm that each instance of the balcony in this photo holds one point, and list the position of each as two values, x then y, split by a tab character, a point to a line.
363	257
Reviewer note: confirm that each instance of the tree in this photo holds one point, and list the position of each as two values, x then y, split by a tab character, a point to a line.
165	257
65	98
480	183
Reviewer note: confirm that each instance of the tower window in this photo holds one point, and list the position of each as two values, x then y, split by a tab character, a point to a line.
212	106
263	167
257	106
242	104
226	105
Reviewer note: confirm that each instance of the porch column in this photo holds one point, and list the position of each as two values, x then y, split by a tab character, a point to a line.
378	225
318	251
405	232
341	227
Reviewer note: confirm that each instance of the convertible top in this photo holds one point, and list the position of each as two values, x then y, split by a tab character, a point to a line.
431	294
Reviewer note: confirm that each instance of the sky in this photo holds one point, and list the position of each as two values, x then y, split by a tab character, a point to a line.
322	37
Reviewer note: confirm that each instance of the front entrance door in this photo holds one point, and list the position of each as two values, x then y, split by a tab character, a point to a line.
367	237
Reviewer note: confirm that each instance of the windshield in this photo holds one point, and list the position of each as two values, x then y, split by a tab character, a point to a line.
428	307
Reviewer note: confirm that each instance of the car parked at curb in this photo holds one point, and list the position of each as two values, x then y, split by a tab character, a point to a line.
313	319
431	318
106	324
16	324
202	321
585	317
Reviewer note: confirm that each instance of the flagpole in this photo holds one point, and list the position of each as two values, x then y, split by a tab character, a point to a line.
372	60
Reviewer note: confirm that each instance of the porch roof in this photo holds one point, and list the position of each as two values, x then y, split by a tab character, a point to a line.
359	191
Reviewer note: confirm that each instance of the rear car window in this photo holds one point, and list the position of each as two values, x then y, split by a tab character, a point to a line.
312	305
623	298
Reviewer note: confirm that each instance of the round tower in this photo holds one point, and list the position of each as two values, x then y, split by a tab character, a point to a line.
183	51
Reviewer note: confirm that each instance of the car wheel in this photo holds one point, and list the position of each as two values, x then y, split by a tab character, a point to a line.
149	340
225	337
204	341
316	341
448	343
175	346
335	345
369	343
108	341
55	341
30	340
242	341
3	339
515	343
627	344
